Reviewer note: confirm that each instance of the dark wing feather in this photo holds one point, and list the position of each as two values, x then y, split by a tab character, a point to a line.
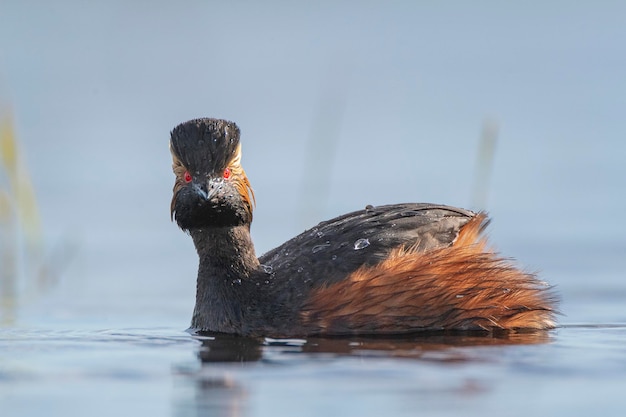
333	249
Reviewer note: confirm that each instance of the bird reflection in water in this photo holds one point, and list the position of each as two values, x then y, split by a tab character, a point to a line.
232	366
433	346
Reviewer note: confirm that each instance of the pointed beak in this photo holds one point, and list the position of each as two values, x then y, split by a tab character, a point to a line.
209	189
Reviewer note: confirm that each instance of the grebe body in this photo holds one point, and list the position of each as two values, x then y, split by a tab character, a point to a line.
390	269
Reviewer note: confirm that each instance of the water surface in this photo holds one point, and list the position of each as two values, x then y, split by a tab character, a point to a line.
574	370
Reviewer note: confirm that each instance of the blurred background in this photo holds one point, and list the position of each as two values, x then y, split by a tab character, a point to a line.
517	109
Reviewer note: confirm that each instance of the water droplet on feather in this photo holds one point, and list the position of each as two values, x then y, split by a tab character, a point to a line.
361	243
318	248
267	269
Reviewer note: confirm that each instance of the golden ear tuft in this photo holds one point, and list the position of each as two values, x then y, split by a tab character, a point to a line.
241	179
179	171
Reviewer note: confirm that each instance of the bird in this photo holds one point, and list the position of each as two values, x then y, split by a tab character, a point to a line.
383	270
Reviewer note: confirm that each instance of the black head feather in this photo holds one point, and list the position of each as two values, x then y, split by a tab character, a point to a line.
211	187
205	145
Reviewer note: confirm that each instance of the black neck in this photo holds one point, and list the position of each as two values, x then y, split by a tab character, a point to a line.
227	262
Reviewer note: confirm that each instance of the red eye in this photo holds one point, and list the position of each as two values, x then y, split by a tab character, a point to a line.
187	176
227	173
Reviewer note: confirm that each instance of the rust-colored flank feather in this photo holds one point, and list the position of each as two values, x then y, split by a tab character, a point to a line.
392	269
460	287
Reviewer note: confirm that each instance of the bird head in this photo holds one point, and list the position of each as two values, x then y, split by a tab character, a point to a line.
211	188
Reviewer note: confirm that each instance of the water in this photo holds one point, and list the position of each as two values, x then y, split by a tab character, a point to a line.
334	117
318	248
361	244
164	371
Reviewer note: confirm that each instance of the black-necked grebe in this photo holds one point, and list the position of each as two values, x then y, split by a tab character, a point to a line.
383	270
